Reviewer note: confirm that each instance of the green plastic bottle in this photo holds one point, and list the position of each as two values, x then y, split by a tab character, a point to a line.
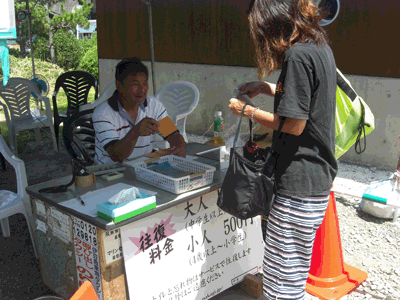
219	124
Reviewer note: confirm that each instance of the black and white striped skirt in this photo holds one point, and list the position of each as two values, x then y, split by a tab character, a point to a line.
289	237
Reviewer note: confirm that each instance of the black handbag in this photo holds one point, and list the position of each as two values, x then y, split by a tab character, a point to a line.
249	187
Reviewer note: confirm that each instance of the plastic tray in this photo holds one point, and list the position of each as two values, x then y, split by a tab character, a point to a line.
202	174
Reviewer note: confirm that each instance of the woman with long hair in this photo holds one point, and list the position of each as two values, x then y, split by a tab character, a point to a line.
287	34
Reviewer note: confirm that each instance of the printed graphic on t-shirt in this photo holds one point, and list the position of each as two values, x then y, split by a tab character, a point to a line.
279	88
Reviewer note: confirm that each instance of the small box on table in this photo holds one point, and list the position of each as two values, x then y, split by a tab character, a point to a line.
126	210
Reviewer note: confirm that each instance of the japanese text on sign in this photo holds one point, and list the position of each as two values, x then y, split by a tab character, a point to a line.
214	251
87	255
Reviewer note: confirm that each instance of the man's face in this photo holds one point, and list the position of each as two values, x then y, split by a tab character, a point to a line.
134	88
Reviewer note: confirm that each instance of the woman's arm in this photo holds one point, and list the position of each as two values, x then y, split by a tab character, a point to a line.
255	88
271	120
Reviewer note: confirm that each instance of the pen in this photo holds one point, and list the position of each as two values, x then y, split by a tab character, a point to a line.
80	199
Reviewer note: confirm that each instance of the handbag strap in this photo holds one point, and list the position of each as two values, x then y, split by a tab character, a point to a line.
238	131
345	87
251	131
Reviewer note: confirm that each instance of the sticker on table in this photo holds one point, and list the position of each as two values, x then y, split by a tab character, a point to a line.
41	226
40	208
112	245
60	224
87	255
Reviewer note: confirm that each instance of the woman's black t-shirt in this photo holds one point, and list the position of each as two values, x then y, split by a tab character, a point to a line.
306	90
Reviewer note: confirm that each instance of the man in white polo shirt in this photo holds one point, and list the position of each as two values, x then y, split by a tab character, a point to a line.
126	123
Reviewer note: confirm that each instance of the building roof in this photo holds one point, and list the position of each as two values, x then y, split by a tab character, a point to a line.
92	27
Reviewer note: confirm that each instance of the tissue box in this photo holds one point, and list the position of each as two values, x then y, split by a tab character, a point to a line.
126	210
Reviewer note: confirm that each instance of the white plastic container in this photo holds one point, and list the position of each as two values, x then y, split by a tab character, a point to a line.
202	175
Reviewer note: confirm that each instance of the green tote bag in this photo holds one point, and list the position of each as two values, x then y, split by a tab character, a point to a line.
354	119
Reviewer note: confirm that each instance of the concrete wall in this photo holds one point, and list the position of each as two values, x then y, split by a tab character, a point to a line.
216	85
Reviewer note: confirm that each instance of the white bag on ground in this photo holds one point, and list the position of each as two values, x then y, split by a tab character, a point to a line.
376	209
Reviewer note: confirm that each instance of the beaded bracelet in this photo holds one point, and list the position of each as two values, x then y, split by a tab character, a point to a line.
252	115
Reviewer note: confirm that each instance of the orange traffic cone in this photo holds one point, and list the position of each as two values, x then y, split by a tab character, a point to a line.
85	292
329	276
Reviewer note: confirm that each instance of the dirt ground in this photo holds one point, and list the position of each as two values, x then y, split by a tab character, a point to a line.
19	268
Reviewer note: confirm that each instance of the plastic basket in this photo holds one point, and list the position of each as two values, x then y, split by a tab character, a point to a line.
203	174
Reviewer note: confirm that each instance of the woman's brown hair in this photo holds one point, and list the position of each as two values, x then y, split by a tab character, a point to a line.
276	25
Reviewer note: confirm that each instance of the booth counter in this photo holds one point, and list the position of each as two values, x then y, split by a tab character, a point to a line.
184	248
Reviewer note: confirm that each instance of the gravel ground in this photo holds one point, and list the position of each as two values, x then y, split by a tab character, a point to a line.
369	243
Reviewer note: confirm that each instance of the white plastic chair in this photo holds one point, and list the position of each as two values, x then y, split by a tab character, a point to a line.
12	203
180	98
104	95
17	94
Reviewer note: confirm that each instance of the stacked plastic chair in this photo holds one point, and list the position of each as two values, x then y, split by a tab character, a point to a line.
13	203
76	85
17	94
180	98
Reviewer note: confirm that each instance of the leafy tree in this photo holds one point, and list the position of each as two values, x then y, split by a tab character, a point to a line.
68	49
86	44
42	50
90	62
45	24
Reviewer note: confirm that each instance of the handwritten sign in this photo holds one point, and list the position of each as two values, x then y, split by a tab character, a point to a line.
87	255
192	251
112	245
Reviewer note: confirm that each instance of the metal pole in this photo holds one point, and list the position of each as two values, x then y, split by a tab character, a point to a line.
30	37
152	46
37	100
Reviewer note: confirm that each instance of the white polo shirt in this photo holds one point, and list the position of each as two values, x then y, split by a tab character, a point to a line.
111	125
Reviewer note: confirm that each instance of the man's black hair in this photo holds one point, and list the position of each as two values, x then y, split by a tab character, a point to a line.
127	66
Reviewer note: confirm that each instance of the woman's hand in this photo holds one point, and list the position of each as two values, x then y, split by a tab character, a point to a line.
255	88
236	106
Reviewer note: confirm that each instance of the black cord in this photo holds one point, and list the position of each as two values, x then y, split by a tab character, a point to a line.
60	188
77	168
361	133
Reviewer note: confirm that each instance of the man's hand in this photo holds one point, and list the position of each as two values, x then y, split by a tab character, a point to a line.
179	151
178	144
146	126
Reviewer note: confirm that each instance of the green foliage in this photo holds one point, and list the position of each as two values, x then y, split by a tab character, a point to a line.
41	49
90	62
39	26
69	20
42	22
14	52
68	50
87	44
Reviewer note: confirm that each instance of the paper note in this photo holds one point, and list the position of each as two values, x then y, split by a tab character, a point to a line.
41	226
112	245
40	208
